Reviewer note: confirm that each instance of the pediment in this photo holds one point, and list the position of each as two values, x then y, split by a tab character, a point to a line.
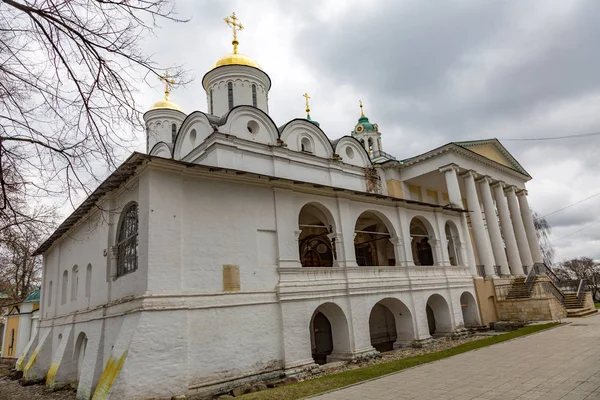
493	150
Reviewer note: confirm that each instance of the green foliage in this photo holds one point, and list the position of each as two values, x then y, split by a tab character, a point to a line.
330	382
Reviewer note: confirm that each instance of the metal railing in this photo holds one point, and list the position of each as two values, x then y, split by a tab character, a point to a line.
530	280
497	270
581	290
480	270
380	153
535	288
544	289
569	286
549	287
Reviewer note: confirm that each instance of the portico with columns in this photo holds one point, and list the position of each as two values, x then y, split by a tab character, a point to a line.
482	178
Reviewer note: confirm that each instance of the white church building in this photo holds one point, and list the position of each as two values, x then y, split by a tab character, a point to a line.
236	249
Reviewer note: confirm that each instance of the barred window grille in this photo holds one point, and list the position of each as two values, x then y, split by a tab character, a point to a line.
127	242
254	103
230	94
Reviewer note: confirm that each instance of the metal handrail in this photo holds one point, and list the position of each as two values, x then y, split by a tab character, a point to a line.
530	280
551	287
498	270
509	292
581	290
480	270
548	271
380	153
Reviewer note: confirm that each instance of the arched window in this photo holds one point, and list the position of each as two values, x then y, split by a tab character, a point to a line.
210	98
88	281
254	95
421	248
230	94
305	145
453	241
74	283
370	145
127	241
173	132
65	283
50	294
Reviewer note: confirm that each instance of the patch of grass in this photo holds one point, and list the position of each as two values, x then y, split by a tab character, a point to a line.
597	305
329	382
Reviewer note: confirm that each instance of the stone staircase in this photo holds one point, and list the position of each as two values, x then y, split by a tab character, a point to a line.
535	287
574	308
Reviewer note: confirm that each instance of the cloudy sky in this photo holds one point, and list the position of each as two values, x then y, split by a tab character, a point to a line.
428	72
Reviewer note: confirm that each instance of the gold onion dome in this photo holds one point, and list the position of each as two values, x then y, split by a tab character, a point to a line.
166	103
235	58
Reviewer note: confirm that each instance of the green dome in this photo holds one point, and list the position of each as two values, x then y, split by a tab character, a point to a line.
364	125
311	121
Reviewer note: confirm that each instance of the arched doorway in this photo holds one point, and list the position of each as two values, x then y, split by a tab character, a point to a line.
438	316
382	327
372	245
315	247
79	354
390	325
453	241
470	311
420	242
329	334
323	339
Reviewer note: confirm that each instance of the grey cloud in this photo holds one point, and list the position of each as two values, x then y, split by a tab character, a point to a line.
405	57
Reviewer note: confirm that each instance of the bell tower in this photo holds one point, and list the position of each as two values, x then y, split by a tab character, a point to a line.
367	134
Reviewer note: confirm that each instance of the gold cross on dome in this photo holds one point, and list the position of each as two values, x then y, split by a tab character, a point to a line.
232	21
306	96
168	83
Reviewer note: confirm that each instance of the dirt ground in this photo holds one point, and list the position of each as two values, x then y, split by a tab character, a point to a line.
12	390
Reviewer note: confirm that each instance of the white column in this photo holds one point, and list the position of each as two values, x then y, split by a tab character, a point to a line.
514	260
405	238
493	226
399	251
532	238
455	198
482	240
286	218
449	172
347	224
521	236
443	241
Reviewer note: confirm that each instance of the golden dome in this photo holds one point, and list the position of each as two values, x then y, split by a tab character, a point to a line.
165	104
236	59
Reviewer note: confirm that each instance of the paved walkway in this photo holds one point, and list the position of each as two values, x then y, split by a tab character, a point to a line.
562	363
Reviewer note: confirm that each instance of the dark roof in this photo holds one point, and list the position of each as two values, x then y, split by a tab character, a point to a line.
129	167
114	180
